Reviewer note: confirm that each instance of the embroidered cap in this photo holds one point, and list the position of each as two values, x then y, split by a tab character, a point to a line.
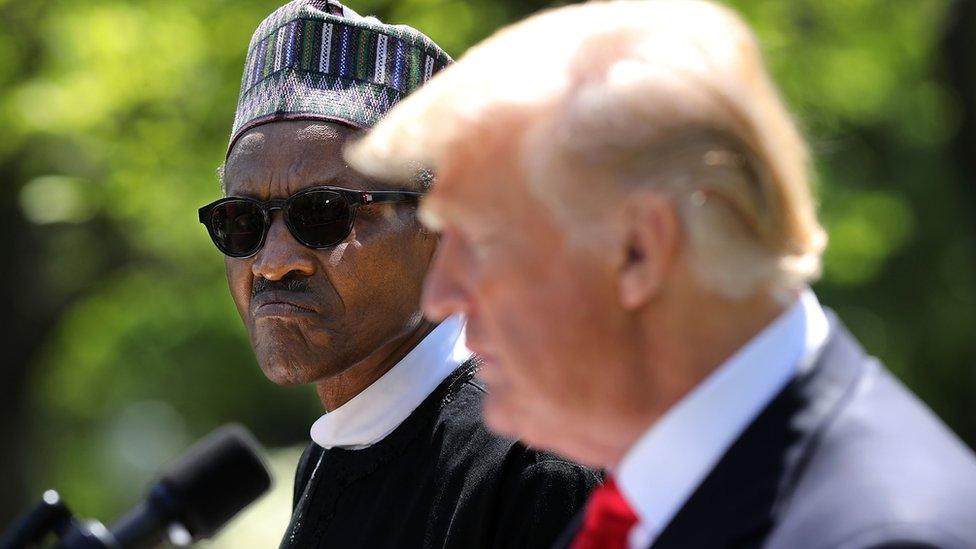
319	60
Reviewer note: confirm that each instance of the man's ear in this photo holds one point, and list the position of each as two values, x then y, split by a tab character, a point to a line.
652	230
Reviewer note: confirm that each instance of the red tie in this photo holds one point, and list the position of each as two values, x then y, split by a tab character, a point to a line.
608	520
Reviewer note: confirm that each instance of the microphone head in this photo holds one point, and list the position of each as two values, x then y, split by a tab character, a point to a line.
214	480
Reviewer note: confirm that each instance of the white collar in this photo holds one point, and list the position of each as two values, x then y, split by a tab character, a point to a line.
375	412
664	467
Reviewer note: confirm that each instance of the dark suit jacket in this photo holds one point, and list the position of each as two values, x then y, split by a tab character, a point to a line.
439	480
844	457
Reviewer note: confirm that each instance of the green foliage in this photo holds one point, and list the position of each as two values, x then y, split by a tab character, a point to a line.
115	115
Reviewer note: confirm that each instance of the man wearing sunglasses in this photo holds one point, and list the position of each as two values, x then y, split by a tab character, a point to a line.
326	267
627	221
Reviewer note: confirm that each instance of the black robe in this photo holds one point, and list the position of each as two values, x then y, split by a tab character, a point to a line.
440	479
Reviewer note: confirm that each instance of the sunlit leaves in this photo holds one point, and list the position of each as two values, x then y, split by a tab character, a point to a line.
116	113
865	228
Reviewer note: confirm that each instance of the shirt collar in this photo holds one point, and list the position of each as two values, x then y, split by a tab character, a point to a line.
375	412
664	467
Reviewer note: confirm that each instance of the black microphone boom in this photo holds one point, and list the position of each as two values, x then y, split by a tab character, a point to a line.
213	481
194	497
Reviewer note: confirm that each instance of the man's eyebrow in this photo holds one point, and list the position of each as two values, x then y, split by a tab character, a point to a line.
343	182
360	181
244	194
331	181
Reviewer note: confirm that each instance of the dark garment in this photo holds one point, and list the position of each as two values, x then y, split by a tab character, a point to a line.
441	479
844	457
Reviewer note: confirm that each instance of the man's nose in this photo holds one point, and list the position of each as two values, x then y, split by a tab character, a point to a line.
282	254
444	294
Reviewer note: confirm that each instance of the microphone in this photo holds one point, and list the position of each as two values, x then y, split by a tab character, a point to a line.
195	496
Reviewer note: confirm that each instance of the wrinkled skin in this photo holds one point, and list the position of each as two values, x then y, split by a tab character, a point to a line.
338	317
591	325
539	311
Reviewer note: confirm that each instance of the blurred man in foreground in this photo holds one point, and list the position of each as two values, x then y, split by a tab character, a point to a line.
627	222
326	268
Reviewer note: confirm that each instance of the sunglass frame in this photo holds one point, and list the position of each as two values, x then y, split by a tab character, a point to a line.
354	198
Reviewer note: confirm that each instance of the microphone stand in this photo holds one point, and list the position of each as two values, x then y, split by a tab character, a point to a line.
51	515
213	481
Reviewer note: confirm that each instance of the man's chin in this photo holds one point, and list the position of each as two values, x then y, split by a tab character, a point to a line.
504	418
516	426
293	368
287	355
287	374
542	432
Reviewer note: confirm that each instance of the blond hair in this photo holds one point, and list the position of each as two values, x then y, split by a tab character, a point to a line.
671	95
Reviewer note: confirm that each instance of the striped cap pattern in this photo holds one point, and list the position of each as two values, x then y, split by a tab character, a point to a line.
315	59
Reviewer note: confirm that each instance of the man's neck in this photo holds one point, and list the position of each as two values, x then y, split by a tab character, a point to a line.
716	329
687	344
339	389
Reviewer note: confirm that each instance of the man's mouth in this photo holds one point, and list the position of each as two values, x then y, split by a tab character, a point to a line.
282	304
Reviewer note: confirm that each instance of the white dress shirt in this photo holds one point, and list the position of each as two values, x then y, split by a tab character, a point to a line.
374	413
665	466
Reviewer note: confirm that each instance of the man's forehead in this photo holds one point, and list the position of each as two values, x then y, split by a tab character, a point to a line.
269	140
481	177
291	155
476	189
251	144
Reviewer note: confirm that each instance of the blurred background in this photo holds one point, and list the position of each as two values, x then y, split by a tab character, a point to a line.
120	343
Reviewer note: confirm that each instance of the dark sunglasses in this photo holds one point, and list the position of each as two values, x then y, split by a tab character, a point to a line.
318	217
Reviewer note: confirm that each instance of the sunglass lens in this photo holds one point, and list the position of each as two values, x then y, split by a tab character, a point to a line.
320	218
237	227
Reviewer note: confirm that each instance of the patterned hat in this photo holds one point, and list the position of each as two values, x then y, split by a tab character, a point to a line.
319	60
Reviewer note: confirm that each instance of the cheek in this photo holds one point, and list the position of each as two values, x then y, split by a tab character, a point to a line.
239	281
513	326
531	303
378	282
540	314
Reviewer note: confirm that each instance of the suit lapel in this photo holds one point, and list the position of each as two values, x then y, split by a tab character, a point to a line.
738	502
565	539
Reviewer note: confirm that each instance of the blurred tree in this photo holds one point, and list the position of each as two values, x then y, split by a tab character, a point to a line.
20	340
122	344
33	303
18	346
959	51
